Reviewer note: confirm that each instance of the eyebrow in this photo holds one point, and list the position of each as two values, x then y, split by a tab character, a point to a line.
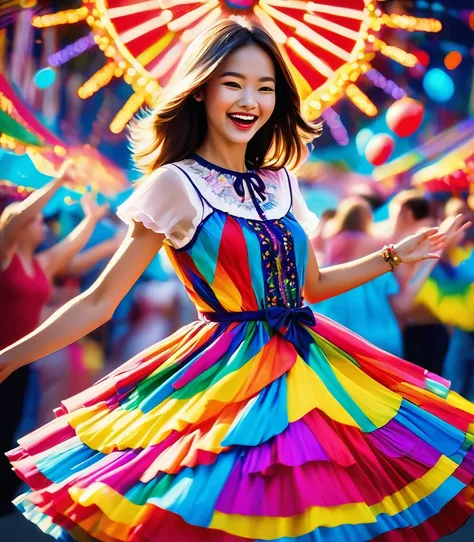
236	74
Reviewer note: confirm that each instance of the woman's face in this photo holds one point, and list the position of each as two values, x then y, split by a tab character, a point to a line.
240	96
35	231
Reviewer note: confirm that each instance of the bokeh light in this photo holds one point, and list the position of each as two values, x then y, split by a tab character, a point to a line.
438	85
452	60
423	57
471	20
44	78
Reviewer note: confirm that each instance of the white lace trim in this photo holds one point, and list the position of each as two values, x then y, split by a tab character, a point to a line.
217	188
176	209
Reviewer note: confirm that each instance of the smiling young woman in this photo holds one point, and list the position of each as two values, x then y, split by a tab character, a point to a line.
178	125
261	420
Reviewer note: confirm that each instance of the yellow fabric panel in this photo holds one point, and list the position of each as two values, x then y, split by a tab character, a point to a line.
119	509
134	429
306	392
268	528
377	402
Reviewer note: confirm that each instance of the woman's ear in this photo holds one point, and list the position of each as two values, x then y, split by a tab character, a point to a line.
198	97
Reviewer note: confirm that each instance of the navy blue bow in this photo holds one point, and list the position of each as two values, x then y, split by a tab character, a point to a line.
286	321
254	184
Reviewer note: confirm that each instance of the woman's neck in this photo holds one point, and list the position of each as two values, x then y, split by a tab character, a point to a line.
25	250
221	153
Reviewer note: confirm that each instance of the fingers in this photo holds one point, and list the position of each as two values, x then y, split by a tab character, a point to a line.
432	256
430	232
465	226
453	224
437	240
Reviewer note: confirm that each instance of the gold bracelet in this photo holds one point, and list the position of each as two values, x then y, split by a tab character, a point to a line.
390	256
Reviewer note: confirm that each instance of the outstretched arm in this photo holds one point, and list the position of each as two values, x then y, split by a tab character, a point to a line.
325	283
18	215
90	309
55	259
85	261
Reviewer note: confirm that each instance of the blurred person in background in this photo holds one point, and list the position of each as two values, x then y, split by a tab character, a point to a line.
370	310
409	212
459	361
459	206
156	308
425	339
320	233
25	286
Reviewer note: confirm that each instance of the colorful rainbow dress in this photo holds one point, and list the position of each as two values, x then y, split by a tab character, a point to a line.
258	421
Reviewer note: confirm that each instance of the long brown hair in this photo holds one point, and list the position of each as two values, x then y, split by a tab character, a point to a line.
177	125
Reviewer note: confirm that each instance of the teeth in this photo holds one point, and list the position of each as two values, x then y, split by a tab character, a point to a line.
243	117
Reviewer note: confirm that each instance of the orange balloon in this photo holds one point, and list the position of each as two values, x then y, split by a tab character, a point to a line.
379	148
405	116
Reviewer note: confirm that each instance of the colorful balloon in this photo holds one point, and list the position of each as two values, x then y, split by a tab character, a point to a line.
405	116
379	149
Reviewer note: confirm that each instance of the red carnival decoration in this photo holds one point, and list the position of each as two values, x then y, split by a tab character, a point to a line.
405	116
327	45
379	148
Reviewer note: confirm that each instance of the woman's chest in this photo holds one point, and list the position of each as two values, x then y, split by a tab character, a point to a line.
20	285
233	243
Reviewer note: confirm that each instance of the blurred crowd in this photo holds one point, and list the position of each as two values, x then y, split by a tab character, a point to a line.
44	274
389	311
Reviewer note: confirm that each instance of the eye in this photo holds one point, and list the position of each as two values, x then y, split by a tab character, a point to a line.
232	84
266	89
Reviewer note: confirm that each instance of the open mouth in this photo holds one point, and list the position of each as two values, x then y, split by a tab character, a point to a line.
242	121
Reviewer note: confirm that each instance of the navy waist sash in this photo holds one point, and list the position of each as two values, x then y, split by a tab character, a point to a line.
280	319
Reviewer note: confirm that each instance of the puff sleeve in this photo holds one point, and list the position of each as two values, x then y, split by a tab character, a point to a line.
173	209
308	220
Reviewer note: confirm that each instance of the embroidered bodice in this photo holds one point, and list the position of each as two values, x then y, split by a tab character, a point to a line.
236	240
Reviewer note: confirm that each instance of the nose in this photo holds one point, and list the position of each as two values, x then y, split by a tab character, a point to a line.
248	100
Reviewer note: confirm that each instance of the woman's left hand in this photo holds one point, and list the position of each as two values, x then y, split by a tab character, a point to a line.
426	245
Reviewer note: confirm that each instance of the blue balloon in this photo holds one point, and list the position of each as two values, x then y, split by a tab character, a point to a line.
438	85
45	78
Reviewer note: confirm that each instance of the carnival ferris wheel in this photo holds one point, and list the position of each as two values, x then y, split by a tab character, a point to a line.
327	47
